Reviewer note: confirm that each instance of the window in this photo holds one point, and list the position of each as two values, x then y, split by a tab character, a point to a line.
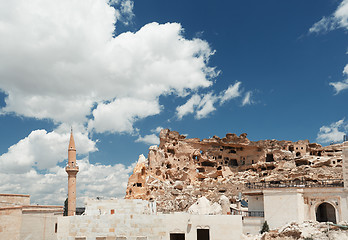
100	238
121	238
203	234
56	227
80	238
177	236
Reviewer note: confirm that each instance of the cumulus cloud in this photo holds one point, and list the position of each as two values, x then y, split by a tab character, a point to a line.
43	150
120	115
333	133
123	10
203	104
339	19
59	60
151	139
51	188
157	129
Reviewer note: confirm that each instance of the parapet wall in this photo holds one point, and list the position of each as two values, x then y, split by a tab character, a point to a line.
7	200
96	207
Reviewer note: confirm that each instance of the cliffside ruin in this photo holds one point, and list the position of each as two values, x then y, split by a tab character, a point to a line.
180	170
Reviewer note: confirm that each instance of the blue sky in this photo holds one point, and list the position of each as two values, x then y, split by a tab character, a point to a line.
118	71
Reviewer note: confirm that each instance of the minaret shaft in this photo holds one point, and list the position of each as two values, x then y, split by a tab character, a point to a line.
72	169
345	165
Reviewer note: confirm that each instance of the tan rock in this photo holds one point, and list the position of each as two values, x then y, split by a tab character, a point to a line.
180	171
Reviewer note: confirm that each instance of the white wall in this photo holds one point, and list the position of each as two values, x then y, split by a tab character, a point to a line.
10	223
38	226
282	207
252	225
154	227
255	203
120	206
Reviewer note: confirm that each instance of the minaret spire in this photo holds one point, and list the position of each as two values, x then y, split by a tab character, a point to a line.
72	169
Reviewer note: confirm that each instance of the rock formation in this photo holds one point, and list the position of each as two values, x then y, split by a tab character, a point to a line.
303	231
179	171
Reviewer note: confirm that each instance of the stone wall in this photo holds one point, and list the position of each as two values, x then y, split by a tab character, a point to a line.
10	223
149	227
7	200
19	220
118	206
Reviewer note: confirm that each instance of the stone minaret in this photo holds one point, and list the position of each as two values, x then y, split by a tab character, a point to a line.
345	164
72	169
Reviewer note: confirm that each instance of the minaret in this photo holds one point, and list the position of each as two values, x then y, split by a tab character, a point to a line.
72	169
345	163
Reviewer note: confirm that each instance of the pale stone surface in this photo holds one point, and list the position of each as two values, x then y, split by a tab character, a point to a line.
302	231
153	227
282	206
99	206
345	165
10	200
204	206
133	219
19	220
225	204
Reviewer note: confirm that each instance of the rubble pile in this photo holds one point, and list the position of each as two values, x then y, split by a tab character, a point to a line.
308	230
179	171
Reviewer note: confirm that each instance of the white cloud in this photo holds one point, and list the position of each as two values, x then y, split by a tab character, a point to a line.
231	92
204	105
59	60
157	129
124	10
51	188
119	115
188	107
326	24
340	86
339	19
43	150
332	133
151	139
247	99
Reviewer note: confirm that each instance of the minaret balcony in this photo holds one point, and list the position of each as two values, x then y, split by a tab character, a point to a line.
73	168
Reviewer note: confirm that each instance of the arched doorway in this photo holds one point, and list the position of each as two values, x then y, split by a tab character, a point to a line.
326	213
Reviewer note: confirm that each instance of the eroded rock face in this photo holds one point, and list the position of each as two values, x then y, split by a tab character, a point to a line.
302	231
179	171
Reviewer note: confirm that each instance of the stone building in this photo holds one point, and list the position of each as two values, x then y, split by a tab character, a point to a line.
281	202
124	219
20	220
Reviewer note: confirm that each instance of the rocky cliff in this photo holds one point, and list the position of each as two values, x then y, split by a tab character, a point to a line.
179	171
